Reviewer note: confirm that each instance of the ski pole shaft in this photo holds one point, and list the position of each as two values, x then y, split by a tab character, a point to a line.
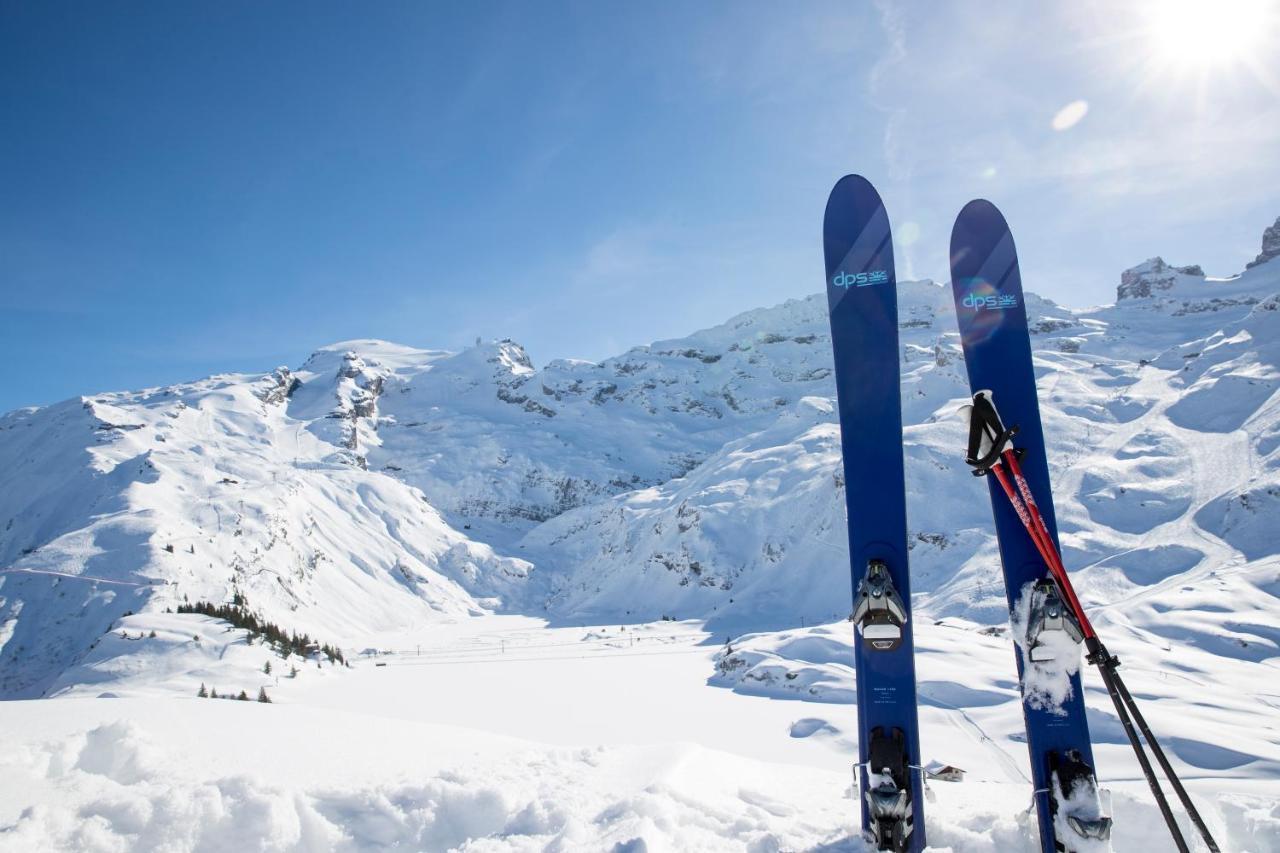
1021	510
1039	536
1056	568
1163	761
1103	661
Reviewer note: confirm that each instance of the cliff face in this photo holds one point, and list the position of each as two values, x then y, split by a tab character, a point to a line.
1270	245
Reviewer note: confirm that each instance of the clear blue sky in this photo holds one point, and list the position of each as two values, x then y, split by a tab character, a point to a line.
195	188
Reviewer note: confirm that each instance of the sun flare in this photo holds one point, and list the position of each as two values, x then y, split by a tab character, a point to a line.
1207	35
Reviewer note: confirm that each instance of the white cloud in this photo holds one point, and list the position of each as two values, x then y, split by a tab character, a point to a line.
1070	115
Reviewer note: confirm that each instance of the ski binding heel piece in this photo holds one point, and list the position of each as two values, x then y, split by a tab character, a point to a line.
1075	802
1049	614
880	613
889	791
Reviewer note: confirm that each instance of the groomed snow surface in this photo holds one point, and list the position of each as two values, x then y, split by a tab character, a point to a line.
601	606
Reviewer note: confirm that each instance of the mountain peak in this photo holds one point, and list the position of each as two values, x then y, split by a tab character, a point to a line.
1153	276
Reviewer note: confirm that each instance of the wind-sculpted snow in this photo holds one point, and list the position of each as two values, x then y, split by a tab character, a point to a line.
467	792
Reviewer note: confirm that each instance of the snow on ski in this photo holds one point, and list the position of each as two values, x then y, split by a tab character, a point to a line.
991	312
862	301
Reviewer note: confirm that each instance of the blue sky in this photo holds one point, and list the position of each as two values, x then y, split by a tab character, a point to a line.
197	188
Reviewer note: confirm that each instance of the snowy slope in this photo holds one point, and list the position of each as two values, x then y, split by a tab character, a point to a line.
132	501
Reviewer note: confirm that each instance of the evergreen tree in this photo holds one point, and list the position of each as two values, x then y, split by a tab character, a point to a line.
266	668
213	693
202	692
262	695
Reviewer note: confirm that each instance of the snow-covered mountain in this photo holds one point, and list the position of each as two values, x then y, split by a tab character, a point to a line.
501	549
379	485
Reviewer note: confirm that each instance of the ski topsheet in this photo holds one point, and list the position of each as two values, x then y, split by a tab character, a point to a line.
991	312
863	302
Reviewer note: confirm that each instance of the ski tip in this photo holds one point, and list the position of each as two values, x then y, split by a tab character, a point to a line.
976	227
855	238
852	189
979	207
978	214
852	181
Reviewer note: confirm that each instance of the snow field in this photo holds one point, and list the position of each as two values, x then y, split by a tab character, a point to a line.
505	733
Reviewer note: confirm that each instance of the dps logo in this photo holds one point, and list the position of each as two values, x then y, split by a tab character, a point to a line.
989	302
859	279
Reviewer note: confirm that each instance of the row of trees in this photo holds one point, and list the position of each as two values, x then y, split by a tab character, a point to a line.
212	693
240	616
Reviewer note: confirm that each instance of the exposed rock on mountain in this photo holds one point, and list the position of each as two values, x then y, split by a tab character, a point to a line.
1151	277
1270	245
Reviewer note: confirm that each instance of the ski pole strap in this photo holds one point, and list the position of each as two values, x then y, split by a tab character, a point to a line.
988	437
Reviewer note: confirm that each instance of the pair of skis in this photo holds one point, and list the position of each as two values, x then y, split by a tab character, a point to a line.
987	287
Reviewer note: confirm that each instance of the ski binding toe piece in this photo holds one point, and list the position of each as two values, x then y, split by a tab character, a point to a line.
1049	614
880	613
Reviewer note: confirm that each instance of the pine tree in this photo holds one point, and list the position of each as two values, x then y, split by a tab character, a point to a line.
202	692
266	668
213	693
243	697
262	695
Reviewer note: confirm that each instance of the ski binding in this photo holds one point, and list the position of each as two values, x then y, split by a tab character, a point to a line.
889	791
880	613
1074	798
1048	614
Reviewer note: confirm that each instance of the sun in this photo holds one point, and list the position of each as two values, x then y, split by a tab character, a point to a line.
1197	37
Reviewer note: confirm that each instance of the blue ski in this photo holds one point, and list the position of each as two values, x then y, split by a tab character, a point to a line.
991	312
863	302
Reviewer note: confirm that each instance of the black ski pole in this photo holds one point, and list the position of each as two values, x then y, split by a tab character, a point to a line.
1164	762
1099	657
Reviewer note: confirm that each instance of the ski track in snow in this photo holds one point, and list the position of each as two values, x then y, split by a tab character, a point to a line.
535	573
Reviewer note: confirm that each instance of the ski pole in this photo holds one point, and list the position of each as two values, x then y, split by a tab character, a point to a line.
1097	652
1183	796
1030	515
1100	658
991	451
1100	652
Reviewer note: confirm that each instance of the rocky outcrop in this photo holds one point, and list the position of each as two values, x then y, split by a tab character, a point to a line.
1152	277
279	386
512	371
359	386
1270	245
